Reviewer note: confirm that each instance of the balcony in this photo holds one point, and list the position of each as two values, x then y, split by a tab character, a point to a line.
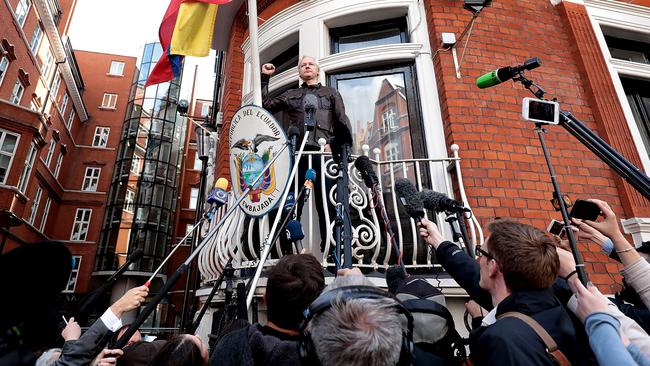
55	10
240	237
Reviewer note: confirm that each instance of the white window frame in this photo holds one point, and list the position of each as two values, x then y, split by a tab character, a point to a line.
194	198
22	11
197	161
59	162
17	92
205	109
64	103
391	151
129	201
50	153
389	120
27	169
54	91
100	139
313	17
3	136
109	101
623	16
70	120
46	212
81	224
117	68
46	68
91	179
4	65
136	164
74	275
34	209
37	37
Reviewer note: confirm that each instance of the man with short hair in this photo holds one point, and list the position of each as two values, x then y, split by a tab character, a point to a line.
292	284
516	269
357	332
332	124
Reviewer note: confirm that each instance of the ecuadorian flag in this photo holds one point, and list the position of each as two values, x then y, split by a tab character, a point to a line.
186	30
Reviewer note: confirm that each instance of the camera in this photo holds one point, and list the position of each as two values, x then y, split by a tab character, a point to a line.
541	111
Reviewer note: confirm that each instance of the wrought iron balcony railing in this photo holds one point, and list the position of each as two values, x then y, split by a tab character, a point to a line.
240	236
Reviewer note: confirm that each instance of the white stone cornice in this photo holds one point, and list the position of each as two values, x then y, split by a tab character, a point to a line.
58	49
358	57
618	6
638	227
629	68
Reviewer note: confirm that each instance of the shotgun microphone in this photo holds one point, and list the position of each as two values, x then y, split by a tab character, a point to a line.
410	198
364	166
498	76
439	202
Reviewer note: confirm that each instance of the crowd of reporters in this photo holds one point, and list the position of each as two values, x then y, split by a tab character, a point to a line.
528	307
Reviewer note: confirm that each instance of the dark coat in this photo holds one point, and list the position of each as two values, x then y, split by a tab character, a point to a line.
510	341
330	116
255	345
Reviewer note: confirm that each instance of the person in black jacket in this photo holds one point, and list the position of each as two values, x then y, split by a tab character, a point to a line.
514	272
332	124
292	284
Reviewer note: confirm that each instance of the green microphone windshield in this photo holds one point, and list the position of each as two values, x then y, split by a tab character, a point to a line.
488	80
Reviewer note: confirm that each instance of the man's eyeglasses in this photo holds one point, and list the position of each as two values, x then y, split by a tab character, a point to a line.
482	253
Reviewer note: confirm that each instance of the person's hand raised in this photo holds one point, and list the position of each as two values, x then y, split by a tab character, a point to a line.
268	69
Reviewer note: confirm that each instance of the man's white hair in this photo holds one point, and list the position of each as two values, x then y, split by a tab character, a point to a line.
311	57
357	332
49	357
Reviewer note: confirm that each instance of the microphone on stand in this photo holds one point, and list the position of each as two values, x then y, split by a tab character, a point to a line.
310	177
217	197
364	166
440	202
410	199
295	234
309	103
293	133
498	76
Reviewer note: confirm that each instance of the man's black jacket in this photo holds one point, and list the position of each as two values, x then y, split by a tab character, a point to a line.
330	117
510	341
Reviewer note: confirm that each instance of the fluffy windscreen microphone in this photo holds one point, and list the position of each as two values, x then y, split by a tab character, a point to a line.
364	166
410	198
439	202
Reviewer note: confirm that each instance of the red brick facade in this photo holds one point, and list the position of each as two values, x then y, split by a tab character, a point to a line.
504	170
48	116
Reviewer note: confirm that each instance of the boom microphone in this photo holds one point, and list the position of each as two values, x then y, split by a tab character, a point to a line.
410	198
364	166
498	76
439	202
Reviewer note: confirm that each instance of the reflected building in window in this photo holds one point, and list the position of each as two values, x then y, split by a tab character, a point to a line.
143	195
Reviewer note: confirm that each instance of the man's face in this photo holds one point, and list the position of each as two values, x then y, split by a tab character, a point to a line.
308	69
484	260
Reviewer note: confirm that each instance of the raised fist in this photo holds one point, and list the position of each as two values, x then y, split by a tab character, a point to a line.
268	69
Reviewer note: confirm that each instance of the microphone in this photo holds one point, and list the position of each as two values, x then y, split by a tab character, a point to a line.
498	76
293	133
289	203
439	202
218	195
310	177
294	230
309	103
364	166
410	198
295	234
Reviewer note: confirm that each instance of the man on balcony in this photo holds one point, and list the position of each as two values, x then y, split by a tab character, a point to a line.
331	124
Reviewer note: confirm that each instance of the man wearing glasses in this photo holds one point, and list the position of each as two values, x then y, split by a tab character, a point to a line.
513	272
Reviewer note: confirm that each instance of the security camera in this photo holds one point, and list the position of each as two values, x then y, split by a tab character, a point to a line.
183	107
476	6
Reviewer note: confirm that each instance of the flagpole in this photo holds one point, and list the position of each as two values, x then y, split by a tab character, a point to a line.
255	53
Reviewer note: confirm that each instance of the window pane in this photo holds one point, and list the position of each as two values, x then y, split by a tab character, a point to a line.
384	37
378	112
9	143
